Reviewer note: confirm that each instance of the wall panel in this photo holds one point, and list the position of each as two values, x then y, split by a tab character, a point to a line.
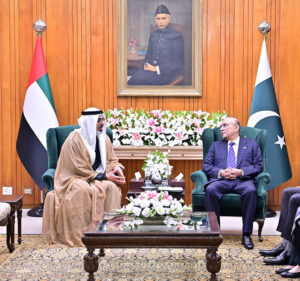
81	43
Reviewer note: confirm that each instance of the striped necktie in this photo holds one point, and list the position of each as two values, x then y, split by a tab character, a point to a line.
231	163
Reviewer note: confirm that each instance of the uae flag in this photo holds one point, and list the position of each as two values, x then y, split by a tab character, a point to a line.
264	114
38	116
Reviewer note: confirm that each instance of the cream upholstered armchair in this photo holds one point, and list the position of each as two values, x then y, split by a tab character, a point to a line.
6	220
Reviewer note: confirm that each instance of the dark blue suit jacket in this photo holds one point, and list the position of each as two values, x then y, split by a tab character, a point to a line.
249	159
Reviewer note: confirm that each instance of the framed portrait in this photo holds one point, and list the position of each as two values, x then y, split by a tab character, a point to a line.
160	48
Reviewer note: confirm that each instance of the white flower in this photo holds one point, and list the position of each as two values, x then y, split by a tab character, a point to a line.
157	204
160	210
137	202
145	203
165	202
129	207
146	212
137	211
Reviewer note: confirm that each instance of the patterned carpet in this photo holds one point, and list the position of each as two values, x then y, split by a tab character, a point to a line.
32	260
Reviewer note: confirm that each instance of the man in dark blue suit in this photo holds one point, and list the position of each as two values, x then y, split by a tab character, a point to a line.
232	165
165	56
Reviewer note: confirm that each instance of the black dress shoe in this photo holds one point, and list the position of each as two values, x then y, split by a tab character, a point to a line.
247	242
290	274
281	259
274	252
281	270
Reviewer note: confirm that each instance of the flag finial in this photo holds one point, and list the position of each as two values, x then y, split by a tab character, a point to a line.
264	28
39	26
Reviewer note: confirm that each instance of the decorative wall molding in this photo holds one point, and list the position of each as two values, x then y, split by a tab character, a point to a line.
176	152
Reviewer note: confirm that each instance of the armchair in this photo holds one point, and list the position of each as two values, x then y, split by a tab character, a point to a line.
55	138
231	204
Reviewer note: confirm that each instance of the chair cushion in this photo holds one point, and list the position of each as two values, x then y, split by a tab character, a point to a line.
4	210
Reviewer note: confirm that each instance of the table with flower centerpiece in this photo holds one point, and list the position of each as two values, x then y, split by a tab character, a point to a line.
136	187
191	230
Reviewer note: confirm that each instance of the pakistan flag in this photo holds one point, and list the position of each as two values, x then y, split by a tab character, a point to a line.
264	114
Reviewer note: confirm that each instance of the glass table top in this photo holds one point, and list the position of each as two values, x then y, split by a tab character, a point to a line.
189	222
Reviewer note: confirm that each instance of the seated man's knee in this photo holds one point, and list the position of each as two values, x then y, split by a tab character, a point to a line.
211	189
294	200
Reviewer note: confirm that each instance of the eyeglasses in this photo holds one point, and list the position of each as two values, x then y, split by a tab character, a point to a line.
101	120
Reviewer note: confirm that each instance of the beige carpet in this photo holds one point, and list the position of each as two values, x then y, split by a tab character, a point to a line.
33	260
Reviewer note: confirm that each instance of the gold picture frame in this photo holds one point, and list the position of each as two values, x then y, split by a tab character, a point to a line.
134	18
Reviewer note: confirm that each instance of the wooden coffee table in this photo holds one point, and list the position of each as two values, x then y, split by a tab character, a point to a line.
16	204
100	236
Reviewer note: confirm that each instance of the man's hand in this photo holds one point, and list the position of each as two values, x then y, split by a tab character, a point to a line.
119	171
148	66
116	176
231	173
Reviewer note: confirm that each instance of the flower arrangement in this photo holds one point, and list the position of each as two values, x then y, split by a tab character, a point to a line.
160	128
150	204
158	163
132	42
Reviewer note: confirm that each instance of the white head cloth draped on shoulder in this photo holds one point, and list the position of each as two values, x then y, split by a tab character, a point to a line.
88	132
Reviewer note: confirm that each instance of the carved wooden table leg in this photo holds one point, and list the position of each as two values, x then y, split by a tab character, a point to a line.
213	263
19	215
13	219
9	234
91	264
101	253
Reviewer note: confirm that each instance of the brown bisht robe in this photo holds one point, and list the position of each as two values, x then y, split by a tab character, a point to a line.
77	199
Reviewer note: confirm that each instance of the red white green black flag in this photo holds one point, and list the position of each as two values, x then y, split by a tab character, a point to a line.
38	116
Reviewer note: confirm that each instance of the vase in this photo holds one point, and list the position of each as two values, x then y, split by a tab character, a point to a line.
156	220
133	50
156	180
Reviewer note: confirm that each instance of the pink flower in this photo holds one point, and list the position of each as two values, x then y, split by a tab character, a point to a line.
137	136
158	129
199	130
115	122
115	113
180	226
132	42
151	123
141	197
168	197
179	136
156	113
151	195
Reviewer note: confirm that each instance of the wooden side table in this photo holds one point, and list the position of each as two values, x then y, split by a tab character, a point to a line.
16	204
135	187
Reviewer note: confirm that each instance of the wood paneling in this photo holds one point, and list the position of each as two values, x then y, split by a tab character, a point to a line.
80	46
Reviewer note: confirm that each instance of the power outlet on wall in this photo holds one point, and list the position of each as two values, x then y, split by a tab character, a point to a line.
27	190
7	190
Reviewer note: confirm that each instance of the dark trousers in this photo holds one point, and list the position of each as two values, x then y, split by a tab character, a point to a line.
290	201
295	255
247	191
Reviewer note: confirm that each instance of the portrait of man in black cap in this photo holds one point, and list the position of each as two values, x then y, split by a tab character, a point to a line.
164	60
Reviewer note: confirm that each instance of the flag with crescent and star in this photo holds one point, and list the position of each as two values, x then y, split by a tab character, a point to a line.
264	114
